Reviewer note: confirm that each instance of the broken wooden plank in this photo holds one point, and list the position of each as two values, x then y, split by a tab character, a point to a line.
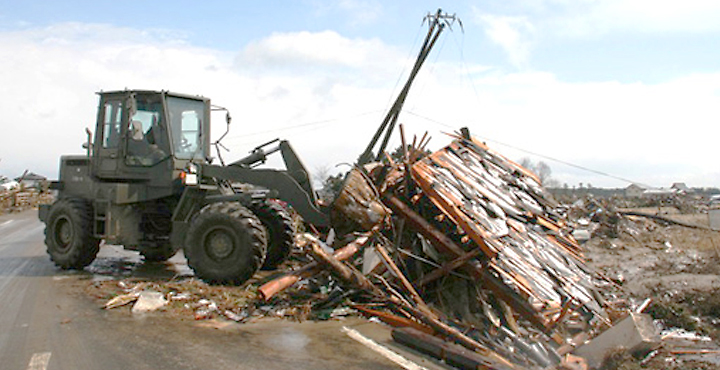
455	355
446	268
443	242
273	287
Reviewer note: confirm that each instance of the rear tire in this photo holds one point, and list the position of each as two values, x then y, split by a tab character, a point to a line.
68	234
226	243
280	232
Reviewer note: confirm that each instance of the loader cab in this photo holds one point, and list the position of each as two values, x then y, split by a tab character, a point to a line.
147	137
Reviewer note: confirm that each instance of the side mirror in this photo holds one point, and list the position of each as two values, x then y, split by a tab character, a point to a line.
88	144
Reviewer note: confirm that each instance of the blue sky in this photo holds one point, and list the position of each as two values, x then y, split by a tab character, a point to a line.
630	88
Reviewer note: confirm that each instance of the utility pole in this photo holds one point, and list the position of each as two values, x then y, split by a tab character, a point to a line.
437	23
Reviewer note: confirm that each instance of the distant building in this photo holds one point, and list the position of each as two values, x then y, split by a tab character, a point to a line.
31	180
661	193
680	187
634	191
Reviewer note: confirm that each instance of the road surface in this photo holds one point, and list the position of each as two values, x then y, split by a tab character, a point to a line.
46	323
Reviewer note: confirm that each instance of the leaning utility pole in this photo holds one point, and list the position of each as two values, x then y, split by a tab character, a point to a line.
437	23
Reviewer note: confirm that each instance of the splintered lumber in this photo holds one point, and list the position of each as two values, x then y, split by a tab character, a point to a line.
448	267
476	270
455	335
451	353
355	278
393	320
403	280
345	272
273	287
524	289
665	219
506	213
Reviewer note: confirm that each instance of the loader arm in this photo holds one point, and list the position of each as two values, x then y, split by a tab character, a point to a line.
289	190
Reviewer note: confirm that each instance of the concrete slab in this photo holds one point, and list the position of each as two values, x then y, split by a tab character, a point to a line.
636	333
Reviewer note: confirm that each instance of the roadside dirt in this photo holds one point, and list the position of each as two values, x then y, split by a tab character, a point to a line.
678	269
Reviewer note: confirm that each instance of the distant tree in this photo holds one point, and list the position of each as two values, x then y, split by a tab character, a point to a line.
527	163
320	174
542	170
328	185
397	154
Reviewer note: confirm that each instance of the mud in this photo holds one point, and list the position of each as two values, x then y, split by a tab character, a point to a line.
678	268
113	263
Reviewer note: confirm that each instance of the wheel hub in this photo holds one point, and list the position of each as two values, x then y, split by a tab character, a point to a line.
219	244
63	233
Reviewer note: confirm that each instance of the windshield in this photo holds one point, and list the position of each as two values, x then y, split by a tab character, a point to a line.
146	143
186	117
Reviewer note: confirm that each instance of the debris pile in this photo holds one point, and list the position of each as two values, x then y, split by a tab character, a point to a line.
463	252
17	195
464	244
17	199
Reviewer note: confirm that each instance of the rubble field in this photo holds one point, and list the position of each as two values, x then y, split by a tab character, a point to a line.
17	200
471	261
678	268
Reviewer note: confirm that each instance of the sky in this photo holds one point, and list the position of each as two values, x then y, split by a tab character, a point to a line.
607	93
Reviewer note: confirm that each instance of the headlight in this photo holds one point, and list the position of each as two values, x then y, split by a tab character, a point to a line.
189	175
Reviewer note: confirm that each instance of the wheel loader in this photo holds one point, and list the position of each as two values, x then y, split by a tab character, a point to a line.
148	183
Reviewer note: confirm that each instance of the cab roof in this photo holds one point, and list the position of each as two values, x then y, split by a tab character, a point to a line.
152	92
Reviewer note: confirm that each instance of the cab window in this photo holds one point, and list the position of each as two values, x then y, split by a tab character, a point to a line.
186	117
146	143
112	114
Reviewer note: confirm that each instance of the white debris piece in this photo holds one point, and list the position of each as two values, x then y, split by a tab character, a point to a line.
149	301
121	300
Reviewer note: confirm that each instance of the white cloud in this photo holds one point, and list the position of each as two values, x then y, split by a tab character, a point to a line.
50	75
514	34
520	27
648	16
592	18
318	50
326	94
622	129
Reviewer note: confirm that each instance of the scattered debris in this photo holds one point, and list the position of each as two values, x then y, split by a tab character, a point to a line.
382	350
636	334
148	301
467	256
25	192
121	300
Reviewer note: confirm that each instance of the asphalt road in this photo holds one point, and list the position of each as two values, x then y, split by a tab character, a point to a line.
47	323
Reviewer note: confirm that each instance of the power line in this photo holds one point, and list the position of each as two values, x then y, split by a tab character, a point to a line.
313	124
535	153
461	47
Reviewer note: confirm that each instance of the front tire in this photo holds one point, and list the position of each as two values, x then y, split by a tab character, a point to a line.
68	234
280	232
226	243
